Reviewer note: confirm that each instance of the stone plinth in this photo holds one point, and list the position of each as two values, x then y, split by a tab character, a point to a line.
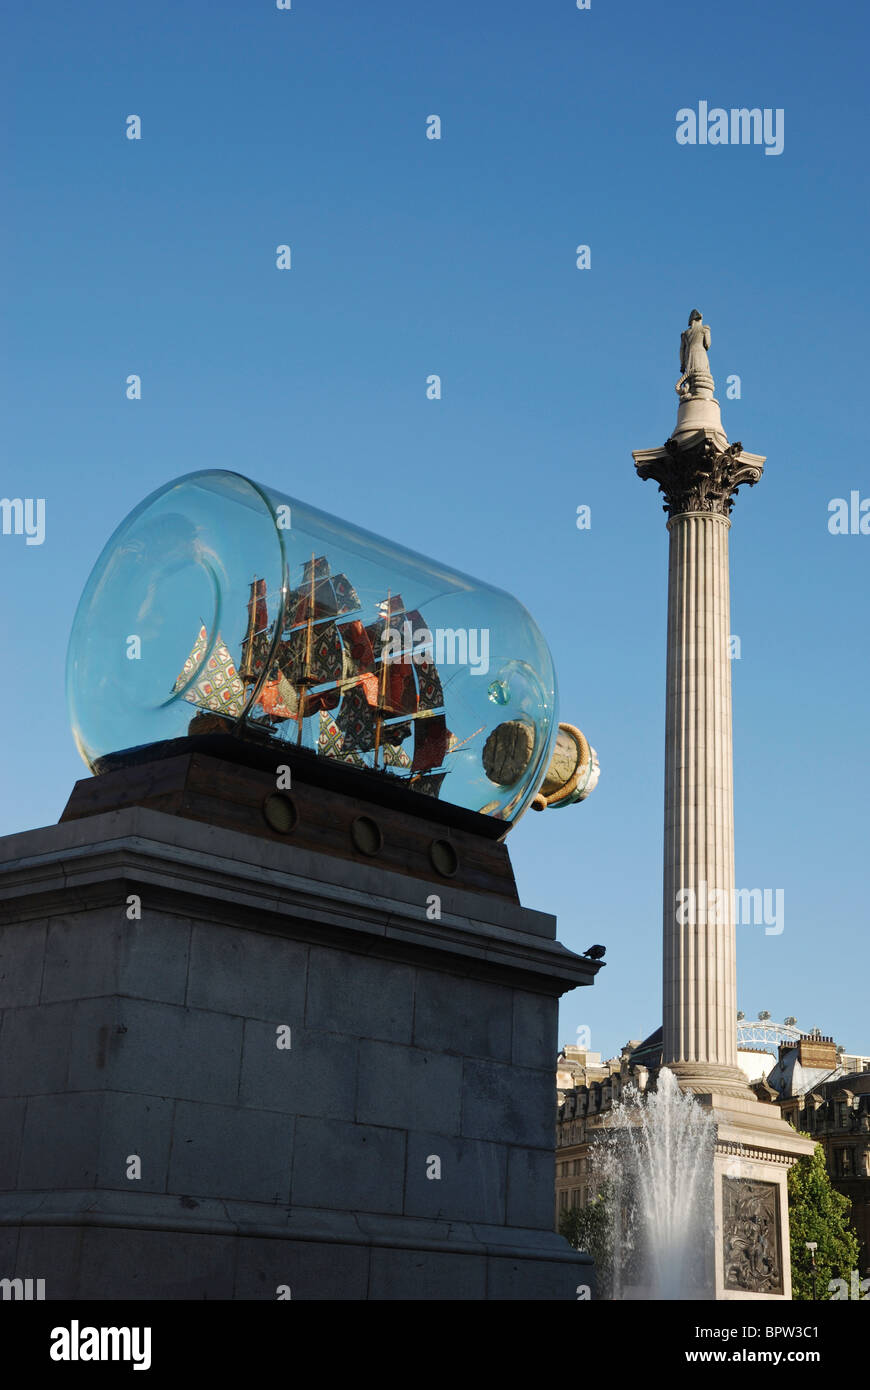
157	1142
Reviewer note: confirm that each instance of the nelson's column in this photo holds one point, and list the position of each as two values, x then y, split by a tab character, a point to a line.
699	472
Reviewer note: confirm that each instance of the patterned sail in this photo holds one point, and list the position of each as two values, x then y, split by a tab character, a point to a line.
357	721
395	756
430	694
412	681
325	666
429	785
392	681
331	744
333	596
255	647
218	687
431	742
370	690
279	697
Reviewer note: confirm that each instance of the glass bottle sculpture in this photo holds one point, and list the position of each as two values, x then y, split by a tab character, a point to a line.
222	606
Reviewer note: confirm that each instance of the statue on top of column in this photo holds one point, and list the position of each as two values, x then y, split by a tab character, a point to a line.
694	363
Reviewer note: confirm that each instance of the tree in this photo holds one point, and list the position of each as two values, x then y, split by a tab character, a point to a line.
586	1228
817	1212
606	1229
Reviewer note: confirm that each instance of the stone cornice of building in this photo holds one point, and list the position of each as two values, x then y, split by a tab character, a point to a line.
759	1152
698	474
727	1147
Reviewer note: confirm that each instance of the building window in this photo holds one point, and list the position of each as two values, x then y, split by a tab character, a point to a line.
563	1199
575	1197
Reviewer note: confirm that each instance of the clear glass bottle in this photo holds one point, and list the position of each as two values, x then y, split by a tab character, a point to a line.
220	605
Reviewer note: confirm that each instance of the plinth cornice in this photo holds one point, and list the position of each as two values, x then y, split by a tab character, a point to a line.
223	876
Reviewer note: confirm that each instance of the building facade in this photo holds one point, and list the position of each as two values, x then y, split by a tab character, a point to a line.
586	1089
821	1090
825	1094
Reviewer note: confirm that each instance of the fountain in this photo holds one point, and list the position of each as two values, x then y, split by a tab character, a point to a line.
653	1165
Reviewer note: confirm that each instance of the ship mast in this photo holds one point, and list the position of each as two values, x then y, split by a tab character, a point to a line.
246	670
305	675
383	681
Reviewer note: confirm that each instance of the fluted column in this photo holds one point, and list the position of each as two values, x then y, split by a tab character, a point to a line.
699	984
699	473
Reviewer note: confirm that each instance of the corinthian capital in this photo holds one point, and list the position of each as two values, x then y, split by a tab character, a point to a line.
702	477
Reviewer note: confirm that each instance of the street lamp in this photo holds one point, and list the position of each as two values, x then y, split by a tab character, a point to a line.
812	1246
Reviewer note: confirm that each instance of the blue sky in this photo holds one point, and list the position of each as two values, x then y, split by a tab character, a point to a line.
457	257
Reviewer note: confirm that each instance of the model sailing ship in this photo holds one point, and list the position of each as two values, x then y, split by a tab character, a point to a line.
328	665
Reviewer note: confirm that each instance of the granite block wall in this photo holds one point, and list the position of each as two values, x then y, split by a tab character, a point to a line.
218	1103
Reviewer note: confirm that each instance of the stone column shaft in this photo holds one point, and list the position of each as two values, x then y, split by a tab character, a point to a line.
700	986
